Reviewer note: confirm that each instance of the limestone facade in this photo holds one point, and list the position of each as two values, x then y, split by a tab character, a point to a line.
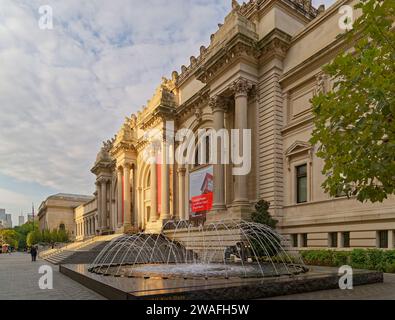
57	212
259	72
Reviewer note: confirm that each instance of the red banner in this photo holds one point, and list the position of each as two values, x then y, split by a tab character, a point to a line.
203	202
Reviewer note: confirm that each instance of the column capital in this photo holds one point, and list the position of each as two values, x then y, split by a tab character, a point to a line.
219	103
182	171
128	166
241	87
102	180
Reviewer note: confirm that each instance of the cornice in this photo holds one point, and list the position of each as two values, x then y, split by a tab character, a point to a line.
274	45
101	166
160	114
196	102
238	47
121	147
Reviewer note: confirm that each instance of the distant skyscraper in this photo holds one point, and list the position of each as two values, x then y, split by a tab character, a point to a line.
2	215
8	220
21	220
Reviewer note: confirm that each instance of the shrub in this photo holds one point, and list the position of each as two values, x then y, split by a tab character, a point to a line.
341	258
358	258
390	267
372	259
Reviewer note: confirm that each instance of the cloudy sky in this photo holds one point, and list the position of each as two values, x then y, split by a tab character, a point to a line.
63	91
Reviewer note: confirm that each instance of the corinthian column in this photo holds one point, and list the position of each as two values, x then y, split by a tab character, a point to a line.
98	201
219	107
119	196
127	200
181	193
104	204
165	186
241	89
154	195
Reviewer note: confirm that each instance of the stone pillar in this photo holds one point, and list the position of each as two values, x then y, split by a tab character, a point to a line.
241	88
104	205
98	190
340	239
119	197
165	185
391	239
140	211
154	198
181	193
219	106
127	199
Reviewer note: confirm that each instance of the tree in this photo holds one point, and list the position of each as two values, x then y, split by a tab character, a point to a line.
9	237
265	243
354	123
33	238
262	215
23	231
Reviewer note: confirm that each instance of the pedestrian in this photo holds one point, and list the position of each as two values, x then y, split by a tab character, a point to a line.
33	252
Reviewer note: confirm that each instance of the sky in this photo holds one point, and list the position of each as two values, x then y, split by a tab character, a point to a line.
63	91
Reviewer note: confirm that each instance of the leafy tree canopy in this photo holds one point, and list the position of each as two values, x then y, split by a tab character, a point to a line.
354	123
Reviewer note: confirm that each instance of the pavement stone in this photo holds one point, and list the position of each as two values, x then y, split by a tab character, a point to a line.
19	281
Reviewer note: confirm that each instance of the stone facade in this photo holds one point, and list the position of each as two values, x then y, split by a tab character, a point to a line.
57	212
260	71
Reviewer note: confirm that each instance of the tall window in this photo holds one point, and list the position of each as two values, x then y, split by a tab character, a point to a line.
295	240
346	239
333	239
383	239
301	184
206	145
304	240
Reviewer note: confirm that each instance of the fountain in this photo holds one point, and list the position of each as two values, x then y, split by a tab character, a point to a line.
226	249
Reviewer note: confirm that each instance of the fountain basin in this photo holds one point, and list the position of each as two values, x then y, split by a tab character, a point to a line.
200	270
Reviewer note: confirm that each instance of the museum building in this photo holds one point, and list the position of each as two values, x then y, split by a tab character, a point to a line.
259	73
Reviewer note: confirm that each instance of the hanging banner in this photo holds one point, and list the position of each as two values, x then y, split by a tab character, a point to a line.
201	192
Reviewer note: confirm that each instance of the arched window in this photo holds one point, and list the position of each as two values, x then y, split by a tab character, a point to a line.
206	146
149	180
62	227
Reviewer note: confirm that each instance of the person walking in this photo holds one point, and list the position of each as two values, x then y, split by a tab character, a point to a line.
33	252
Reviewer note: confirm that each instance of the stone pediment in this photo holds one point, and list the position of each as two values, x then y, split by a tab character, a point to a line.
298	147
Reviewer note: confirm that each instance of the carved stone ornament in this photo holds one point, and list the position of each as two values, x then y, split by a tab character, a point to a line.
241	87
218	103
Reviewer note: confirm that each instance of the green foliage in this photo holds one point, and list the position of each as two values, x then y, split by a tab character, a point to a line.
372	259
23	231
10	237
264	247
33	238
262	215
54	236
354	123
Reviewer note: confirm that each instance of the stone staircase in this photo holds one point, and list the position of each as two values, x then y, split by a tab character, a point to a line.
83	252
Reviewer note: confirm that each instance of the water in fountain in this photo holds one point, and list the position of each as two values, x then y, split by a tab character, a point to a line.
225	249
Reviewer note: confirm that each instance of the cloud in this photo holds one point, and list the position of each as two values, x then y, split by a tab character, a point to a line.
8	198
65	90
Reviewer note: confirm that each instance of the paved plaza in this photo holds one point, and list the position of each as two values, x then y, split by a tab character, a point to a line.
19	281
381	291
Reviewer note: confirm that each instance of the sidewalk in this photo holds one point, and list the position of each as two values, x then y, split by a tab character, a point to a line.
19	281
380	291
